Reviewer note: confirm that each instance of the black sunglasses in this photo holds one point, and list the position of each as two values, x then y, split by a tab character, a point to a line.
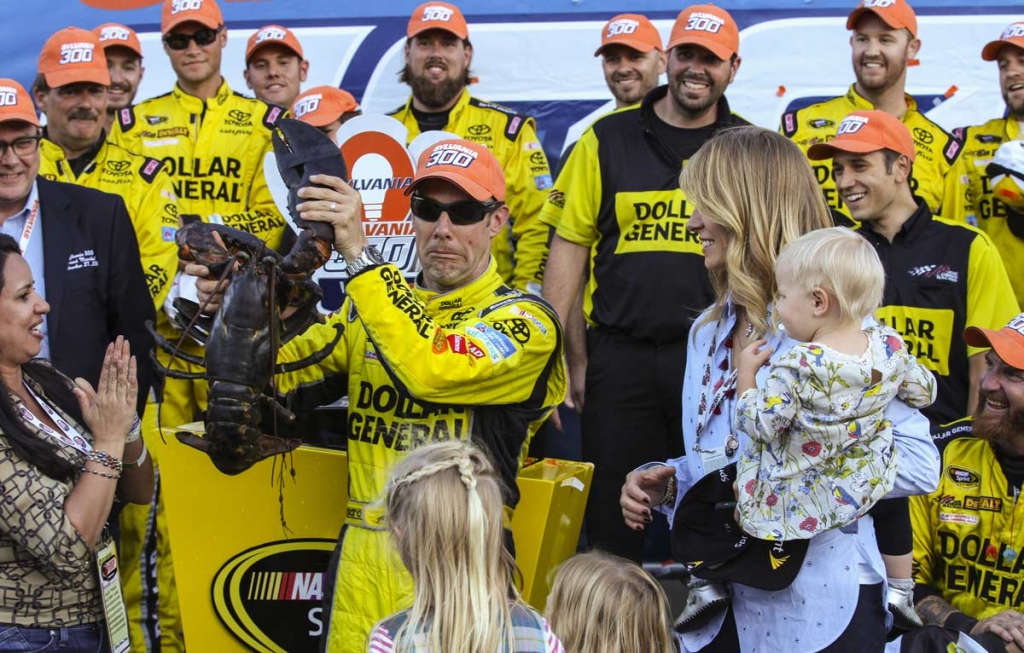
460	213
176	41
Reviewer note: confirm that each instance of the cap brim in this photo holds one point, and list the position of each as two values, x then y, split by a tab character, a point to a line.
30	118
124	46
636	44
820	151
471	187
426	28
718	49
175	22
991	50
99	76
1007	347
283	44
855	15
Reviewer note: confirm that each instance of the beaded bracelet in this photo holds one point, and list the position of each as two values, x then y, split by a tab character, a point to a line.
105	459
103	474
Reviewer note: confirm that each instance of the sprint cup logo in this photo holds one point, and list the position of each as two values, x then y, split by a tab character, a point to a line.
72	53
622	26
270	34
113	34
308	104
1013	31
178	6
270	597
438	13
8	97
851	125
703	22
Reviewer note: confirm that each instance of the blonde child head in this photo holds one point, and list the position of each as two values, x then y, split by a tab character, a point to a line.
841	263
444	510
600	603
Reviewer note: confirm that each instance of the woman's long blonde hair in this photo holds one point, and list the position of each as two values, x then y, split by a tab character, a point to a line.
601	603
444	510
758	186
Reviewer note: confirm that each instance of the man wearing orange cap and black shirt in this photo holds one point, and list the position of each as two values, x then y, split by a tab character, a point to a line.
124	61
884	42
941	277
969	178
327	108
274	67
212	142
438	55
647	280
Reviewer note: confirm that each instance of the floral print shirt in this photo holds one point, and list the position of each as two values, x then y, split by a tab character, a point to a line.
821	450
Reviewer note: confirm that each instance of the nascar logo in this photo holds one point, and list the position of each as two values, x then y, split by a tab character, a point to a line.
8	96
702	22
178	6
1013	31
75	53
270	34
308	104
622	26
113	34
451	154
437	12
851	125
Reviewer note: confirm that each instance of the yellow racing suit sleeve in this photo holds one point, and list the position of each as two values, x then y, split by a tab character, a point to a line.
261	208
528	176
155	218
324	381
926	562
956	205
504	356
580	183
991	303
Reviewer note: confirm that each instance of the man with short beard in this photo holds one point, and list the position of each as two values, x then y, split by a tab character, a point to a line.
883	42
968	534
438	55
625	216
124	62
969	180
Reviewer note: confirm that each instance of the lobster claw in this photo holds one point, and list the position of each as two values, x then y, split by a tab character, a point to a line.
303	150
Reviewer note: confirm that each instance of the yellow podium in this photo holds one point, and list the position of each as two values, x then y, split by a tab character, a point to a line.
247	583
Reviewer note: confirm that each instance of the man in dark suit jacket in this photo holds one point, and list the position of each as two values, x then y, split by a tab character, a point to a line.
82	250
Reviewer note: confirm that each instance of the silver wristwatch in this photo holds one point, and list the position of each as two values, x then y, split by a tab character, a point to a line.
368	258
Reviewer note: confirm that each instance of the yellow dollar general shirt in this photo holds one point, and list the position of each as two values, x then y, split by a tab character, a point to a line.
621	200
968	184
969	533
144	185
213	152
940	278
512	137
937	151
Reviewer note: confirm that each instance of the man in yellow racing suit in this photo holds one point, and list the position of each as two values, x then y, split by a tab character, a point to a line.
969	182
968	534
882	32
438	37
460	356
212	143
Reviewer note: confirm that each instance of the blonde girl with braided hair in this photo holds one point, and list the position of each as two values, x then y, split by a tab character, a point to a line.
601	603
444	511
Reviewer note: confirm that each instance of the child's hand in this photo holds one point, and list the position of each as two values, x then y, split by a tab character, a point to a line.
753	357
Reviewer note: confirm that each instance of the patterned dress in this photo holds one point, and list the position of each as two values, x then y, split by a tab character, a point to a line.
821	451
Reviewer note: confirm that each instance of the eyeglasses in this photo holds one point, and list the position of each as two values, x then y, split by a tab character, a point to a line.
460	213
22	146
203	37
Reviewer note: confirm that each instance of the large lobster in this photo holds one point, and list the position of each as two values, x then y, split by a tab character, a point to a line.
243	338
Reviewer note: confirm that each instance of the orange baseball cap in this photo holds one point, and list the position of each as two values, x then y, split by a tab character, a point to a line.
861	132
897	14
470	166
1012	35
631	30
322	105
709	27
437	15
272	35
117	35
15	103
73	55
176	12
1007	342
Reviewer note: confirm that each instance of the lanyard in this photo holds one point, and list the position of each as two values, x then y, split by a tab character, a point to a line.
30	225
69	435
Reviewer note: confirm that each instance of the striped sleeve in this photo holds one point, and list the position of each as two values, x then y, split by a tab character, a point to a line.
380	641
551	642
